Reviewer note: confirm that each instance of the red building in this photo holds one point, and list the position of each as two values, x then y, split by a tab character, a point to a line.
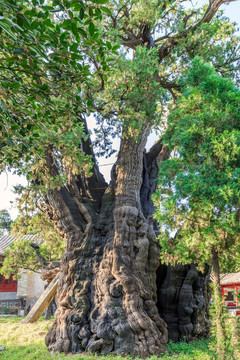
230	285
8	287
27	289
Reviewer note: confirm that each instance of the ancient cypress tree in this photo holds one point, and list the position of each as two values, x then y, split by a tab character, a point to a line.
108	289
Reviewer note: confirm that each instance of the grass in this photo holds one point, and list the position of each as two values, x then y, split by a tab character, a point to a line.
26	342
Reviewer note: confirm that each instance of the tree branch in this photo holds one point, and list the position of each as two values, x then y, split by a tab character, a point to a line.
154	151
175	40
42	260
187	17
169	85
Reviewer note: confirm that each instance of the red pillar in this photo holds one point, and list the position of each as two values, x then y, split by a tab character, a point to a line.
223	295
236	292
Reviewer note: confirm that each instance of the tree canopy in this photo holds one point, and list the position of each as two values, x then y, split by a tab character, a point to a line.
49	53
33	254
199	185
44	61
199	189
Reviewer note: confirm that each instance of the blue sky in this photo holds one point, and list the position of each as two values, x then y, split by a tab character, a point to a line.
7	181
232	10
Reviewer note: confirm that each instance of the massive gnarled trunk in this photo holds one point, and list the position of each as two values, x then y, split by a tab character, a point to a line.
108	290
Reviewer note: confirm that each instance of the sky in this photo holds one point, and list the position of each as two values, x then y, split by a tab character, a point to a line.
8	180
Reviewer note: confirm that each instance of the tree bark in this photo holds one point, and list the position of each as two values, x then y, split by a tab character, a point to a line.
48	313
183	301
108	289
218	301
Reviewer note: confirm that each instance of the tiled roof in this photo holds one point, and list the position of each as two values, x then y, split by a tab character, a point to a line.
7	240
230	278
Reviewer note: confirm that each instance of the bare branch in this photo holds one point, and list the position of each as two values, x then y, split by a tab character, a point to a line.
187	17
132	43
169	85
167	36
41	259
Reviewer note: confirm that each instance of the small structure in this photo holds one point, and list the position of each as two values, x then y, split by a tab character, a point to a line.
230	285
29	287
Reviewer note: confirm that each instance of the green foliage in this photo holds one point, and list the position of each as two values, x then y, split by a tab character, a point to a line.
53	245
44	62
135	91
20	255
203	173
133	94
5	222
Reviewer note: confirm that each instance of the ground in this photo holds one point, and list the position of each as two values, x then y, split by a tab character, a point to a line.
27	342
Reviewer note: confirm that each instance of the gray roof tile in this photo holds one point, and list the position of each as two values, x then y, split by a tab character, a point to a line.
6	240
230	278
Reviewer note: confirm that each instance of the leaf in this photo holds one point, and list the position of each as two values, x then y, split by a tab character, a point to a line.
67	24
106	10
74	47
109	46
74	29
89	42
102	1
7	29
90	10
81	13
91	28
14	85
82	32
116	47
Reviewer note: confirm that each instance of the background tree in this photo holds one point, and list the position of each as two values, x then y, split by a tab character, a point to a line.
107	290
203	179
39	253
5	222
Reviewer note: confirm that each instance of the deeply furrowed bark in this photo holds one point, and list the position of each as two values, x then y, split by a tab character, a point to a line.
108	290
183	301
